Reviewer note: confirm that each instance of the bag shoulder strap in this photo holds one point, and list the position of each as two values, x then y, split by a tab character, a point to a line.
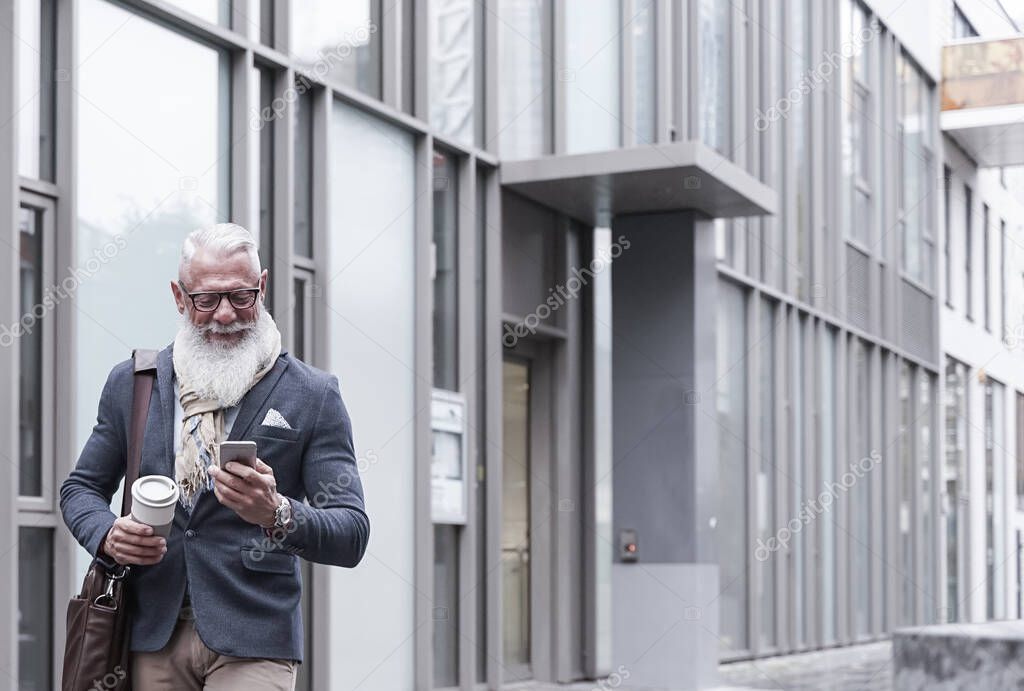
145	374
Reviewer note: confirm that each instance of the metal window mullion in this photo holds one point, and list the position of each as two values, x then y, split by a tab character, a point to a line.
493	428
566	559
811	485
423	527
755	573
783	479
323	105
739	121
843	590
9	359
391	50
491	75
242	163
284	205
664	86
556	73
627	69
690	44
466	239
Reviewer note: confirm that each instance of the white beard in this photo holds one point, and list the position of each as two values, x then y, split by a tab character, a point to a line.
221	371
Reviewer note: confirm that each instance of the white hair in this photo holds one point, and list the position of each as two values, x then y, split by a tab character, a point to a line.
221	239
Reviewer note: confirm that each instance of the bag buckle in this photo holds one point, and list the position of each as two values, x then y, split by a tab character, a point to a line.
106	599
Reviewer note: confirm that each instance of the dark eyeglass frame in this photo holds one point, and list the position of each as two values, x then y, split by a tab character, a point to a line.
250	295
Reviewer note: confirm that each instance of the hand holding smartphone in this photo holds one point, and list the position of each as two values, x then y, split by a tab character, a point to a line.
239	451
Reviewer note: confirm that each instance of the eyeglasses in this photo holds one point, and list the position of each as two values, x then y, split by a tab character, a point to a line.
241	299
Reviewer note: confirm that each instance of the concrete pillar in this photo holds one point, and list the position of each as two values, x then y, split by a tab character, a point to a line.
665	443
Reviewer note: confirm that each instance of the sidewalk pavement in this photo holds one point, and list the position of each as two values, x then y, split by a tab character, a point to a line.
866	667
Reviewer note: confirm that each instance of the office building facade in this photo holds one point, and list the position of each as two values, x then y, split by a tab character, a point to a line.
673	332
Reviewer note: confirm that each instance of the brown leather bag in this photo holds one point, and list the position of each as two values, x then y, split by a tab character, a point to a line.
96	651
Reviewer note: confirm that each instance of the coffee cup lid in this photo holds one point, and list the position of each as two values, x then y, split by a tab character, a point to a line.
155	490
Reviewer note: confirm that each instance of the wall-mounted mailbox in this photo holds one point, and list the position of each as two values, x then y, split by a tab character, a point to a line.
449	479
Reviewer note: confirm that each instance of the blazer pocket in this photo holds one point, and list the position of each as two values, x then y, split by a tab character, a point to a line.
268	562
272	432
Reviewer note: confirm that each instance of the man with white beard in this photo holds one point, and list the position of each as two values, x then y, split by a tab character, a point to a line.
216	604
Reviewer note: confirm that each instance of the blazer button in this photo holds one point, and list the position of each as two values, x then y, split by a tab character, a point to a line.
190	533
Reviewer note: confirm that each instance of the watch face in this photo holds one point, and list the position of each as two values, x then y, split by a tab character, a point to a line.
284	513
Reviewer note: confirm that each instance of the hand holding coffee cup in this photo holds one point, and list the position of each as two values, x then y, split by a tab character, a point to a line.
132	543
140	538
153	500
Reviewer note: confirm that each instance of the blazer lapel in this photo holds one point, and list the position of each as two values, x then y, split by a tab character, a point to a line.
253	401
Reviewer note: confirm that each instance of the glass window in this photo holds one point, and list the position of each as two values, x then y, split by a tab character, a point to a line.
451	41
994	445
954	488
300	320
798	141
1002	277
515	519
645	71
371	324
30	379
947	248
522	98
592	76
986	269
773	249
962	27
268	32
446	272
924	460
146	177
968	251
731	527
259	22
446	606
800	487
339	42
766	476
916	171
303	190
1020	455
907	514
713	81
36	92
858	142
263	171
860	494
35	609
213	11
827	459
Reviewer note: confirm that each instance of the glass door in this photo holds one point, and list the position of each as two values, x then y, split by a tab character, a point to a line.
515	519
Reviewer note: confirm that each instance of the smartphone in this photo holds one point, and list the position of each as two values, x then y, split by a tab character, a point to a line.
240	451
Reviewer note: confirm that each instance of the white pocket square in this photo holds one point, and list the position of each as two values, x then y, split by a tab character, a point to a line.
275	419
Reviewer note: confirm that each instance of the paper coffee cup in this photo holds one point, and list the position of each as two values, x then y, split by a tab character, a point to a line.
154	498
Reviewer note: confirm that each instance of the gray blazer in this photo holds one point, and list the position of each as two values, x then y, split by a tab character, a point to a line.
244	588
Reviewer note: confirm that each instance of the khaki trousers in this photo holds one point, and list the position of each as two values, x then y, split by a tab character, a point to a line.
186	664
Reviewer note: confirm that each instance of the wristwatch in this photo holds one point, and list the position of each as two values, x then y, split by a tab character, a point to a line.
282	515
